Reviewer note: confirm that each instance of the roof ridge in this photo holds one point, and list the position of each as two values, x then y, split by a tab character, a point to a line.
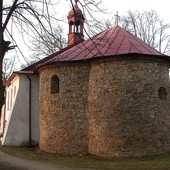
142	42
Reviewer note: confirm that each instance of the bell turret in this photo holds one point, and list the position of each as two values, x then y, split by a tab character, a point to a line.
76	25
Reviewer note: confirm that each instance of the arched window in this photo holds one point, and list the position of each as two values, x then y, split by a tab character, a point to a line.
54	84
77	24
71	27
162	93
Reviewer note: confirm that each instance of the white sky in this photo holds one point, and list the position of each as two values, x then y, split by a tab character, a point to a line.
162	7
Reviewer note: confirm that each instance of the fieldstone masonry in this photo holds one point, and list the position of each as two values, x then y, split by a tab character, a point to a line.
63	117
111	107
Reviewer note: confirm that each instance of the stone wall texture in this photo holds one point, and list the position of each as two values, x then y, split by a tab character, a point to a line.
63	118
107	107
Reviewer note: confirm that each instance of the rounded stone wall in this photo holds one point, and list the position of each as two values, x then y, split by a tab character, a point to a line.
129	107
63	101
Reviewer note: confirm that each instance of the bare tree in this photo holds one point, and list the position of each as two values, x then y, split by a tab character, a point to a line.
8	67
31	18
148	26
50	43
25	15
57	41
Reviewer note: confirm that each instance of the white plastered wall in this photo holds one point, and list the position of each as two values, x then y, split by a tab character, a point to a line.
17	117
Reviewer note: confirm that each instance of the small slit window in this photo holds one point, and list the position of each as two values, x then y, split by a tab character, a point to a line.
162	93
71	27
54	84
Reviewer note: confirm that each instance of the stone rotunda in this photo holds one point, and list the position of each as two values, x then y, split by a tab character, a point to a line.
108	95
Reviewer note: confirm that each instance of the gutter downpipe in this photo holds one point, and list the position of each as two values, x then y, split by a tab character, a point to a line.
30	105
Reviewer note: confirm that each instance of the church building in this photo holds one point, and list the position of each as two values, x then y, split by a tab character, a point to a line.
108	96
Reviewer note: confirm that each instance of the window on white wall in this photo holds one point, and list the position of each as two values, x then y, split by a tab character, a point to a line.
11	98
8	96
14	91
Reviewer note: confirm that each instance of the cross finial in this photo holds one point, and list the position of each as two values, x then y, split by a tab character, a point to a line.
117	18
76	1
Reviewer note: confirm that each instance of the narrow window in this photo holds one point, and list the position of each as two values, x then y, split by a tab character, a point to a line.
11	99
54	84
71	27
77	26
14	91
8	98
162	93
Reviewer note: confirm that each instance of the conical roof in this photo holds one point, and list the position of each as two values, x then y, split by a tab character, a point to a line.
75	12
114	42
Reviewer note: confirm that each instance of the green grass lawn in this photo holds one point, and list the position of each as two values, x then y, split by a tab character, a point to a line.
159	162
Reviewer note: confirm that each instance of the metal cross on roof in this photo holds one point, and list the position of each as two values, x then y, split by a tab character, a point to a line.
117	18
76	1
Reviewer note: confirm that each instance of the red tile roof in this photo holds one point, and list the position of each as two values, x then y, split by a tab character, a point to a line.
113	42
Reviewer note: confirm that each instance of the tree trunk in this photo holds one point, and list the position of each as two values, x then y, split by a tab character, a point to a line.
1	87
2	54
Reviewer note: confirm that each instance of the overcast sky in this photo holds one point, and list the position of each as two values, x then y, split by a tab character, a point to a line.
162	7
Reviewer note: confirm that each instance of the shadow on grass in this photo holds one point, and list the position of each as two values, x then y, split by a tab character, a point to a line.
159	162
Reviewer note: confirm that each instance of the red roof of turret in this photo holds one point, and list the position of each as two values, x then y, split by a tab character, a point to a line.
75	12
